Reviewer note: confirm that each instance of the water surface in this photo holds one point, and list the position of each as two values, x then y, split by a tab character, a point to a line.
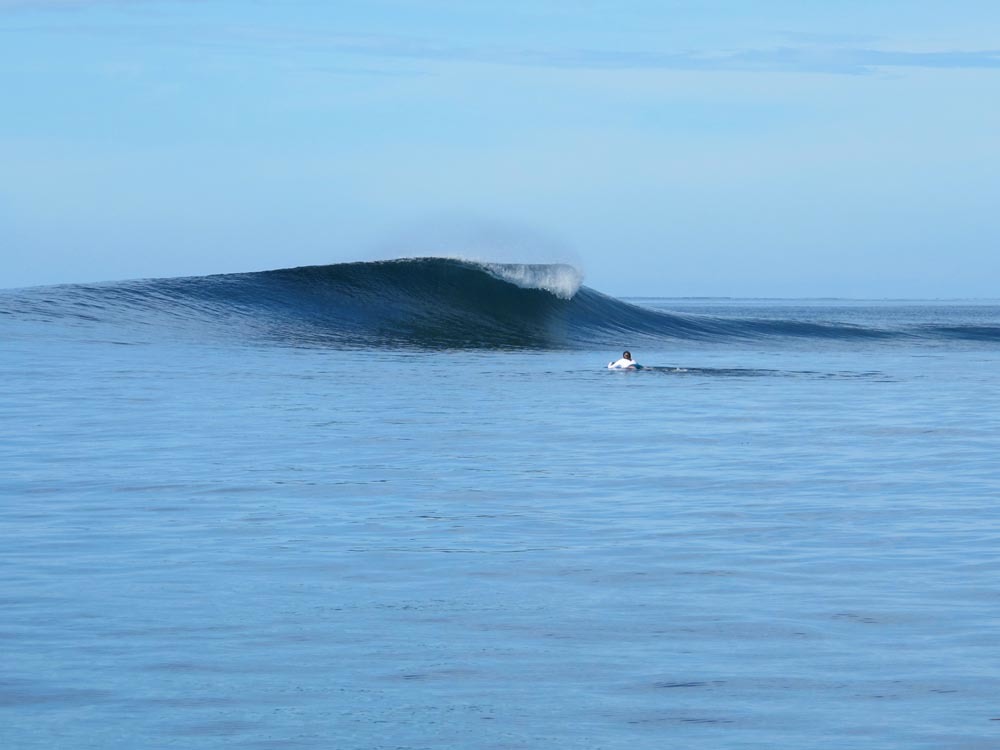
218	538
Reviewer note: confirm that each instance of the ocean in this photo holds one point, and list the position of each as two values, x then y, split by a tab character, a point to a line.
406	505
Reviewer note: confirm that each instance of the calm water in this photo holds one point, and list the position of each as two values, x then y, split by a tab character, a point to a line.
215	543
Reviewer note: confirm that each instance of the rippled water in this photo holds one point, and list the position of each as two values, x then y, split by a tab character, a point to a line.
760	545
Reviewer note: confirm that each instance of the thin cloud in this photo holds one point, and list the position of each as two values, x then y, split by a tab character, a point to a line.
806	56
790	59
802	58
63	4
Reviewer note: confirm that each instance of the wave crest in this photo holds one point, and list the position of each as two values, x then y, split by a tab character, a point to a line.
559	279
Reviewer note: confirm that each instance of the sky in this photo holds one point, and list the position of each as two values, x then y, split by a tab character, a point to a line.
748	148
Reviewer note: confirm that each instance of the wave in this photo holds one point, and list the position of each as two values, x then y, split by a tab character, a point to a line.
430	303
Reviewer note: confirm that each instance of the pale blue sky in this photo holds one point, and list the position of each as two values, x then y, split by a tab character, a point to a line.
721	147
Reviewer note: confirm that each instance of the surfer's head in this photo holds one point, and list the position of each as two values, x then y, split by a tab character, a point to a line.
627	355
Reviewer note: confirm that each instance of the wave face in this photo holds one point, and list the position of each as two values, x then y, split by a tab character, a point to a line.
432	303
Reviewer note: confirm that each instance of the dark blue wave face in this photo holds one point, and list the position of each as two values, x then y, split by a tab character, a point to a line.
429	303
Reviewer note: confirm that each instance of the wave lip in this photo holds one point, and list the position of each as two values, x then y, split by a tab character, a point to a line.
560	279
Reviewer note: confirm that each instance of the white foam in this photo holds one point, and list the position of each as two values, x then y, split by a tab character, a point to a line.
560	279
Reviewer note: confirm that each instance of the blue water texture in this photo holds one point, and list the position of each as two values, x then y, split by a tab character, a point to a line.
404	504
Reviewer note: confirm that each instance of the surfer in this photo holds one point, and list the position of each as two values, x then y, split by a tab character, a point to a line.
625	363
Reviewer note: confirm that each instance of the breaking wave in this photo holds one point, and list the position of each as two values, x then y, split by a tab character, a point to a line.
418	302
